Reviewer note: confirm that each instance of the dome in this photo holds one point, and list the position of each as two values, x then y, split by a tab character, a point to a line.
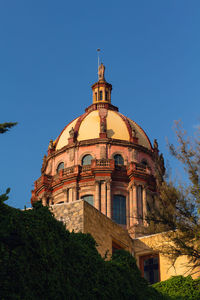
101	157
118	127
102	120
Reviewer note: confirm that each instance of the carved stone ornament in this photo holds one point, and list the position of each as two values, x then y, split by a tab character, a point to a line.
51	144
71	133
134	132
155	144
101	72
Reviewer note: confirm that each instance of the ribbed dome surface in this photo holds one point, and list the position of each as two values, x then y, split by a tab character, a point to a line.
87	127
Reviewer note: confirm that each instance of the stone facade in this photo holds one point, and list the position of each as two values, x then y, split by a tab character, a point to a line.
80	216
71	214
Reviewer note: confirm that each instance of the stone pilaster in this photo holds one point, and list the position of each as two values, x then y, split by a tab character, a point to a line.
70	194
131	216
108	189
74	193
144	196
103	197
65	193
135	205
97	195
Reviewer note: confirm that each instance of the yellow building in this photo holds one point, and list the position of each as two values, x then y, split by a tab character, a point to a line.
105	159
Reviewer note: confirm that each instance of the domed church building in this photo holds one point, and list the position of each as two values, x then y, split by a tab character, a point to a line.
102	157
99	177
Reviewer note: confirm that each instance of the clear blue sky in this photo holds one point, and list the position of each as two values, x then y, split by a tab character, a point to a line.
48	61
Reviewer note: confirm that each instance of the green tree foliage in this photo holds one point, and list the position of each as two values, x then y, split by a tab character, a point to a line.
6	126
179	288
40	259
179	205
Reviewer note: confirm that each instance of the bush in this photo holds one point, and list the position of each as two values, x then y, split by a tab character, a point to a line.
40	259
180	288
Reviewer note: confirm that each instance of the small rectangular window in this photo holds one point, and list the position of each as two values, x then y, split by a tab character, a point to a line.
150	269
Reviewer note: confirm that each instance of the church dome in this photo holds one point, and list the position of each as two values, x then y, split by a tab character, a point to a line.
102	120
101	157
88	126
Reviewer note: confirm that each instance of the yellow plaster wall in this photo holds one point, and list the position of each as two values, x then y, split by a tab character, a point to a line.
63	140
116	127
90	127
149	244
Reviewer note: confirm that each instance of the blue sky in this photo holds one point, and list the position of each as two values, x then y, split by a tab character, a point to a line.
48	62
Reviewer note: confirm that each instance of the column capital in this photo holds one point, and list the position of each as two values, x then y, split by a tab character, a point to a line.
108	180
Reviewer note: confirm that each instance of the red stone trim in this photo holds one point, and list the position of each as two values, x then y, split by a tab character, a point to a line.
78	123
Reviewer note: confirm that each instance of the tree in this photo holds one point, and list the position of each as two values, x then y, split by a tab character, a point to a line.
6	126
3	128
178	207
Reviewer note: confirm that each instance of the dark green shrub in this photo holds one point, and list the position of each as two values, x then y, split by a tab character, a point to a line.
180	288
40	259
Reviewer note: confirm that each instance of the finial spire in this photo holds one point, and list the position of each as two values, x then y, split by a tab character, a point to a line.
98	54
99	65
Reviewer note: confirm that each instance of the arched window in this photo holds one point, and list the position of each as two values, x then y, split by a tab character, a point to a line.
86	160
106	96
89	199
118	160
119	209
100	95
60	167
144	162
140	203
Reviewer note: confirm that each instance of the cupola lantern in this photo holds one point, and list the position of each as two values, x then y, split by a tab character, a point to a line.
101	89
